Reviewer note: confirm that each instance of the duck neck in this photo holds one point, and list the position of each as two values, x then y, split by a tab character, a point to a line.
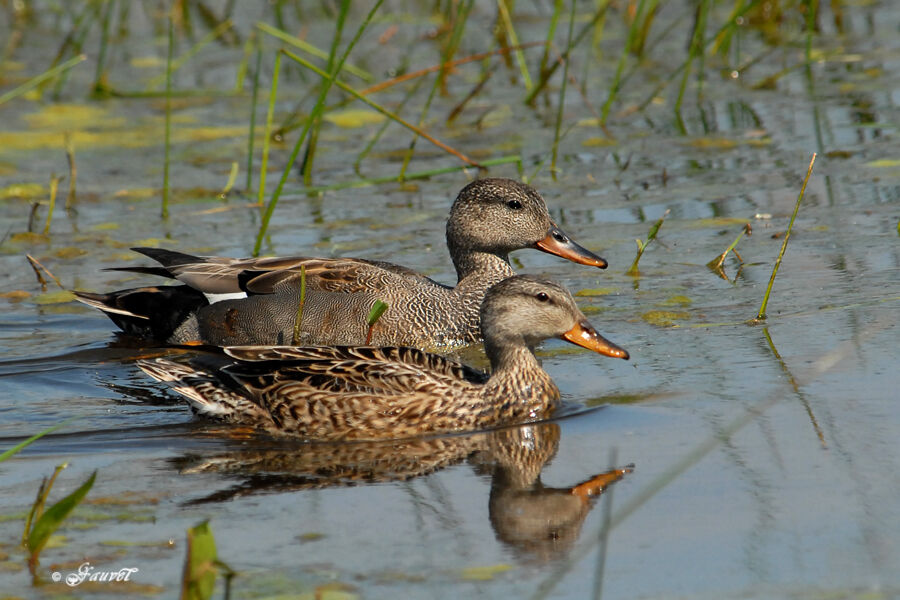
480	269
522	388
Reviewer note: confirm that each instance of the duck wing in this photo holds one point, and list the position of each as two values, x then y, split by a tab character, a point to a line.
223	275
320	394
382	371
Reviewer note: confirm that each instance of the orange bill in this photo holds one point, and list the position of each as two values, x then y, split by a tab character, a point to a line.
596	484
584	335
558	243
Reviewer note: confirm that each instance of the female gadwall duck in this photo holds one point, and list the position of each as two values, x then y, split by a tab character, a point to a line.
365	393
489	219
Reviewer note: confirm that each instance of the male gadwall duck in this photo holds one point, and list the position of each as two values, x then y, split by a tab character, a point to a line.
365	393
489	219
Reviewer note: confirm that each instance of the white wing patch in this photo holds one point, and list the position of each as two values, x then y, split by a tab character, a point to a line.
213	298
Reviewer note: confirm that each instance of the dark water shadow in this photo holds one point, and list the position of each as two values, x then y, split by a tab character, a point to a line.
119	350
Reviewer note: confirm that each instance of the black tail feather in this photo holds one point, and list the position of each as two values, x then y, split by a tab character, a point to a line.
153	313
158	271
168	258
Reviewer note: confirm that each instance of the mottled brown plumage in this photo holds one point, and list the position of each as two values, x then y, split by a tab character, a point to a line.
342	393
489	219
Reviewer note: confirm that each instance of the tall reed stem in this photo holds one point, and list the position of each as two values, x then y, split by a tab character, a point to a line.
168	134
762	309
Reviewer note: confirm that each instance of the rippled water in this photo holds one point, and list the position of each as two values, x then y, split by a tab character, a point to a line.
765	456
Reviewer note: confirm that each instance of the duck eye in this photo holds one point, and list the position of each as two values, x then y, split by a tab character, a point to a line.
514	204
542	297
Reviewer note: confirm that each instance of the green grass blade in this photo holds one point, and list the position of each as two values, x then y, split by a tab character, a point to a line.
374	314
812	7
319	107
200	564
413	89
313	137
655	229
620	68
299	318
39	79
440	82
54	188
232	177
410	150
514	41
677	71
762	309
37	507
240	74
191	52
168	133
651	235
377	310
100	87
73	170
21	445
695	53
74	41
551	33
267	137
551	69
310	49
722	42
560	109
358	183
639	43
255	98
381	109
717	262
54	516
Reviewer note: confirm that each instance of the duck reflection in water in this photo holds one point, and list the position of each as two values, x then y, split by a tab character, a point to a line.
539	523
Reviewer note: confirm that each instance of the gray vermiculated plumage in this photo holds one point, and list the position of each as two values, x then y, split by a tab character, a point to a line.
489	219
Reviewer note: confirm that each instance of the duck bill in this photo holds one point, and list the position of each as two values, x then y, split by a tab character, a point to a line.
596	484
558	243
584	335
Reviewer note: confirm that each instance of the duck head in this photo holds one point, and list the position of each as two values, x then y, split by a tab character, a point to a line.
497	216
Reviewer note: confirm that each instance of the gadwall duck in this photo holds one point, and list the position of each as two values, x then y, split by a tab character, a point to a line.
489	219
364	393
